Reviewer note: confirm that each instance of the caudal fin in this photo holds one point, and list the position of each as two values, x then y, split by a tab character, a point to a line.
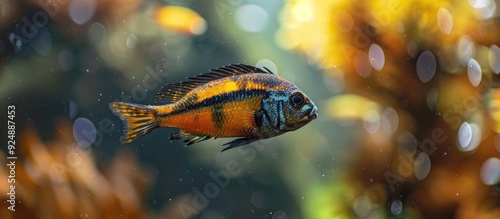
138	120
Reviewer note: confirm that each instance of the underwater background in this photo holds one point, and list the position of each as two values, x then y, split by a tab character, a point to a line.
408	97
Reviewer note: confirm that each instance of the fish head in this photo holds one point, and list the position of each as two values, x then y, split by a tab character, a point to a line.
289	110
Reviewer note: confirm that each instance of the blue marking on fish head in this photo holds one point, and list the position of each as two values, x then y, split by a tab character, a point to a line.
288	110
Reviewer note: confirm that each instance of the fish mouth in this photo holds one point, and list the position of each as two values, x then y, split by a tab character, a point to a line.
313	115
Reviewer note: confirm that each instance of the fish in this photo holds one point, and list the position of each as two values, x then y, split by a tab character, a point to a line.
234	101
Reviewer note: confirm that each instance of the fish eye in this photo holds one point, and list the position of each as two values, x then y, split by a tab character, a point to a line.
297	99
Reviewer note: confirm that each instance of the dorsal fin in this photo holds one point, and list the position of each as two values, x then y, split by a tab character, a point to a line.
172	92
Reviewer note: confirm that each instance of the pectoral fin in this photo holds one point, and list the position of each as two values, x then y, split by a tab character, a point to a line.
238	142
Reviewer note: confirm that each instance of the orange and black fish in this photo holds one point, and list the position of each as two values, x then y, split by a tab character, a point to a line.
232	101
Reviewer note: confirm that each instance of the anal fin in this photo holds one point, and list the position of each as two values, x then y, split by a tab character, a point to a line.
238	142
187	138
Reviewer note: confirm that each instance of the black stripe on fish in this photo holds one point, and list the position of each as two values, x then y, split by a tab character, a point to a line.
187	102
218	115
278	110
222	98
259	117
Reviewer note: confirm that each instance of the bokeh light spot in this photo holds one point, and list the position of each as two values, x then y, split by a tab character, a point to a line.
407	144
362	206
71	109
422	166
303	12
389	121
251	18
465	49
432	98
464	134
344	21
426	66
376	57
268	64
260	200
494	58
474	72
371	121
212	213
66	59
396	207
486	12
280	215
84	132
412	49
445	21
362	65
42	42
469	136
81	11
497	142
97	34
334	81
490	171
131	41
479	3
6	9
350	107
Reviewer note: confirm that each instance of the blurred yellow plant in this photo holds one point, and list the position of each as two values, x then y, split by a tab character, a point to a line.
424	63
57	179
181	19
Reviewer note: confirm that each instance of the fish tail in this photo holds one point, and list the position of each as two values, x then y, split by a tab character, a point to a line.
138	120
